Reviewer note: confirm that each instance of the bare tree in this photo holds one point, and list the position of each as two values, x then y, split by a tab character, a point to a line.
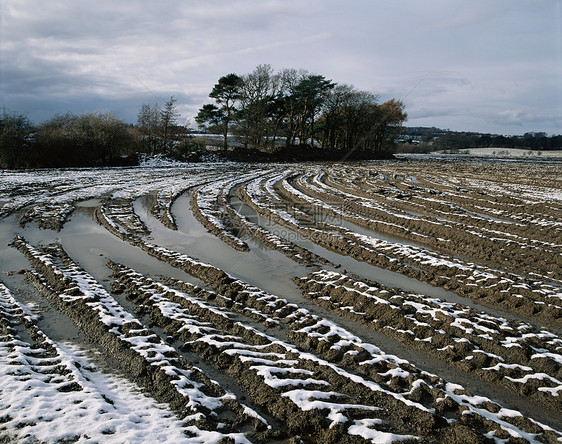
148	124
168	123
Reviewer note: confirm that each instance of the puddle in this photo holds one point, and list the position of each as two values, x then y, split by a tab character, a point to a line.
365	270
90	203
368	232
267	269
90	245
362	269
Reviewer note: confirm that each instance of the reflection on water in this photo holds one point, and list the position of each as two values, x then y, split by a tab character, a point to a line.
90	203
267	269
90	245
10	258
87	243
361	269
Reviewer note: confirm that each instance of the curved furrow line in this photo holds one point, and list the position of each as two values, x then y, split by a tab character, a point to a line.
445	235
53	393
207	205
508	291
424	202
482	365
165	197
220	281
509	353
275	374
141	353
256	358
451	203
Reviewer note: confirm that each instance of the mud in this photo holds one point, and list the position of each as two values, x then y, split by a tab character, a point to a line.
297	368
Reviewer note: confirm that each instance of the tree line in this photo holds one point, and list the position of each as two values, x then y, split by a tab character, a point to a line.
292	108
530	141
431	139
262	111
90	139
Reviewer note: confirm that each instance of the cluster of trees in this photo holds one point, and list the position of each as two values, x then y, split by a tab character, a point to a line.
158	128
263	110
266	110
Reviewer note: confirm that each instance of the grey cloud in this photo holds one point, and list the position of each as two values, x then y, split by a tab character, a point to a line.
478	59
519	117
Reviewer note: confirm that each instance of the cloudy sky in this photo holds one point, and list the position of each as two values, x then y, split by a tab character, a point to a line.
479	65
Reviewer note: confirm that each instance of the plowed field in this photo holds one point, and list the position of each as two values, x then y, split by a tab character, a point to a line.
398	301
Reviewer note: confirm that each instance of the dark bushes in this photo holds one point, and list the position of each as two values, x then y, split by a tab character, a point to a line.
66	140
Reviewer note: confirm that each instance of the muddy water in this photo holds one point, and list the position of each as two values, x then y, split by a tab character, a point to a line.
90	245
10	259
362	269
365	270
193	239
262	267
87	243
55	324
90	203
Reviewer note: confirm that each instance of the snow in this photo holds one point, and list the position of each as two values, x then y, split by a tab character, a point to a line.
103	408
313	399
365	429
279	364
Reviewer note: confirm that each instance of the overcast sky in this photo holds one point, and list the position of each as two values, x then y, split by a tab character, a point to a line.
478	65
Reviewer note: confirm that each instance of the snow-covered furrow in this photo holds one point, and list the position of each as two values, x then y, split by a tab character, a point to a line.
142	354
488	226
207	204
51	193
471	340
536	292
241	349
485	231
48	216
271	240
52	392
314	332
53	205
267	202
21	188
196	268
446	207
341	208
317	329
274	367
468	278
520	190
122	214
390	213
166	196
261	193
521	199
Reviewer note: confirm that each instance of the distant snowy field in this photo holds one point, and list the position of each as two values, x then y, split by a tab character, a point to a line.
511	152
